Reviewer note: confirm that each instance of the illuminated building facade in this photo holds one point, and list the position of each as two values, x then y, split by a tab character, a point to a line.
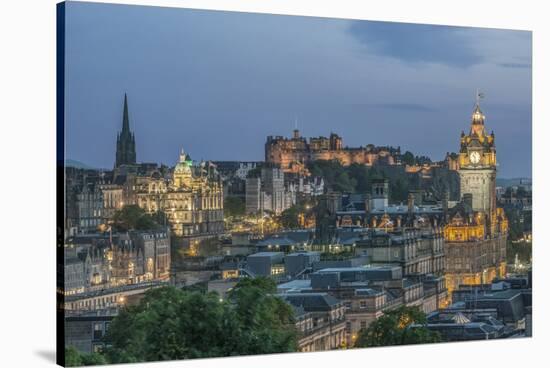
293	154
268	192
102	261
191	199
410	235
476	230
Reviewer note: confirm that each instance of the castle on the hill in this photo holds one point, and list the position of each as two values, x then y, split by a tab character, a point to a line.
293	154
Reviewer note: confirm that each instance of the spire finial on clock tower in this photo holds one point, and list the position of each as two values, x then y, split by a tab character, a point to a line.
478	119
479	96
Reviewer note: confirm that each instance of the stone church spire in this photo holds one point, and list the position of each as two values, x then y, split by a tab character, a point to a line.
126	144
125	119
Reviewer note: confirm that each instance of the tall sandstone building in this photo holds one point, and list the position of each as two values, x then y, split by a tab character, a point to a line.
476	230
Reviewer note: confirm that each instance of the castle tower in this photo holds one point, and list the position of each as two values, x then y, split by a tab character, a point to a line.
335	142
125	143
477	164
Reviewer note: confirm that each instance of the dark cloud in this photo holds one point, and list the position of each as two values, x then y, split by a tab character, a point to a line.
417	43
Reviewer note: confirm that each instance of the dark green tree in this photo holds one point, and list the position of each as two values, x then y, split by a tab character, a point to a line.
289	218
160	218
266	321
515	224
233	206
374	174
395	328
132	217
344	183
359	173
93	359
332	172
169	324
408	158
522	248
72	357
398	190
421	160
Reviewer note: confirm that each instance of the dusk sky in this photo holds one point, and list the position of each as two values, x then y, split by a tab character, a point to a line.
217	83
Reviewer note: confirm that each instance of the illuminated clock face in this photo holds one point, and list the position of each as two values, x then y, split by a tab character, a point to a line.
475	157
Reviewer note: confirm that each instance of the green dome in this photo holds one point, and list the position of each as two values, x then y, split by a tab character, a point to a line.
184	164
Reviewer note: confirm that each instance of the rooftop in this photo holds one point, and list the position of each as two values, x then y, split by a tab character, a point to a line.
266	254
295	285
312	301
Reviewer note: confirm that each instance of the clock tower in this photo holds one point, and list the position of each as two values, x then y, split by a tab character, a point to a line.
477	164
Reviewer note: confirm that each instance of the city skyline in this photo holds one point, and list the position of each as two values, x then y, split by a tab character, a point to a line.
248	91
366	187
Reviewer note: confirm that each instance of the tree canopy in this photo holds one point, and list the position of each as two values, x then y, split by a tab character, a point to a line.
74	358
133	217
358	178
233	206
171	323
292	217
395	328
336	176
266	322
408	158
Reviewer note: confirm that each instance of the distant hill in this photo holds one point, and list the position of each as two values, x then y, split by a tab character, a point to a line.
78	165
510	182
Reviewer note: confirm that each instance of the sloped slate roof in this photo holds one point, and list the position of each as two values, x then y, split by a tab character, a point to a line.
312	302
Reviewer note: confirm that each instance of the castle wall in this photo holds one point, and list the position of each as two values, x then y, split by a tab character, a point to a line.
287	151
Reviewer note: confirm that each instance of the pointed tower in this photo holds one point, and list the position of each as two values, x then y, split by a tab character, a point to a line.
477	163
125	144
